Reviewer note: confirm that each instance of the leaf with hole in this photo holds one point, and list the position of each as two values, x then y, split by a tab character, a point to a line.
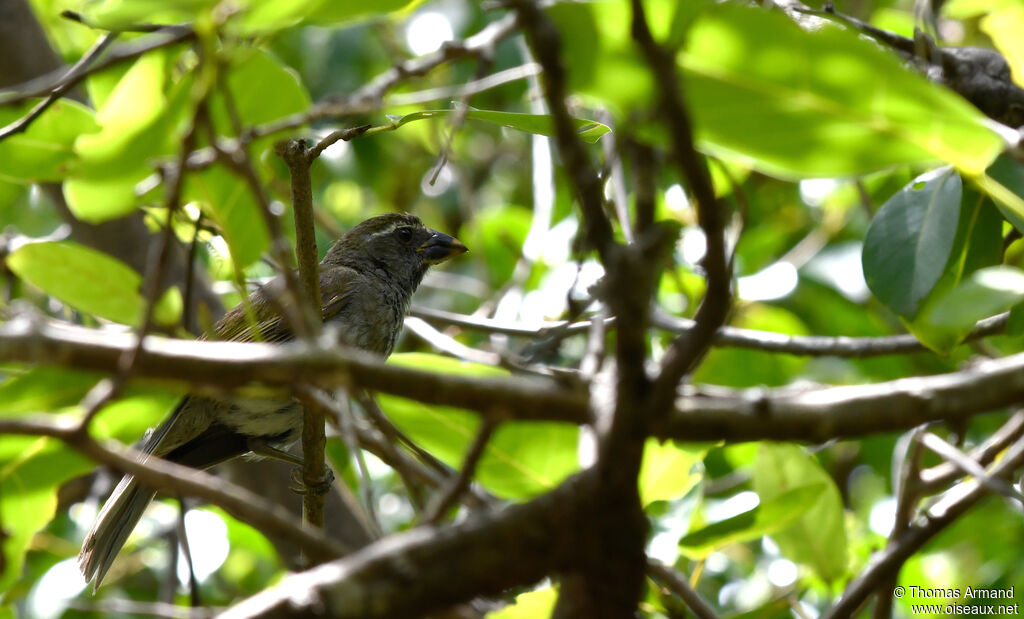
910	239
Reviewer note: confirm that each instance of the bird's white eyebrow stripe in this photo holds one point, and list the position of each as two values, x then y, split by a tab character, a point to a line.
393	227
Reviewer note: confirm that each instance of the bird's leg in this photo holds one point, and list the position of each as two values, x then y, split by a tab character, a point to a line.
260	447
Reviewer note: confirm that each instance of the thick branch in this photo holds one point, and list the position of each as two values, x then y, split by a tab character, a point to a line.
412	573
226	365
819	415
687	350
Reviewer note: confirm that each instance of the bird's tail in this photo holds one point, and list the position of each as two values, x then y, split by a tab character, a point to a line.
113	525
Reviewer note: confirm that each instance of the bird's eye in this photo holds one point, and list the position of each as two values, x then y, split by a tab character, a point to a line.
404	234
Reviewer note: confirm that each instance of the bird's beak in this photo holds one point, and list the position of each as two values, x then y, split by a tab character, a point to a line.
440	247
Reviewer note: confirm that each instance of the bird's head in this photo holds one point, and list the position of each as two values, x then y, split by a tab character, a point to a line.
396	244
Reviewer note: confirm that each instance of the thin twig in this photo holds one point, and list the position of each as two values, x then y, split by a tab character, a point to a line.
964	462
940	516
242	504
67	84
347	425
677	584
123	53
687	350
941	475
456	487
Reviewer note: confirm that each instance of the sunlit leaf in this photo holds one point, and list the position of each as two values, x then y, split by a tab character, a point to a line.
669	470
44	389
820	104
86	279
522	459
541	124
984	293
817	537
118	14
768	517
342	12
44	151
1004	27
141	120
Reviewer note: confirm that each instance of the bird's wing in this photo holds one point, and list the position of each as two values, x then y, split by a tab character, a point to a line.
339	286
262	321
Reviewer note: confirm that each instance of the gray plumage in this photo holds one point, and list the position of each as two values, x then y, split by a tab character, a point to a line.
367	280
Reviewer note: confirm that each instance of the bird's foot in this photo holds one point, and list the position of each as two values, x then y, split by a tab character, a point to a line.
321	486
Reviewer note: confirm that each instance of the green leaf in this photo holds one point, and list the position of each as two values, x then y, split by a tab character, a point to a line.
86	279
44	389
817	538
1006	177
522	459
1015	324
262	89
98	199
499	232
910	239
669	470
984	293
343	12
230	204
539	603
768	517
825	103
1004	26
31	470
141	120
136	104
540	124
44	152
119	14
978	244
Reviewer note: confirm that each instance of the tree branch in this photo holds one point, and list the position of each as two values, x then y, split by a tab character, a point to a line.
225	365
942	514
243	504
399	576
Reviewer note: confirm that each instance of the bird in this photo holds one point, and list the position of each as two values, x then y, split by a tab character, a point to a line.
367	279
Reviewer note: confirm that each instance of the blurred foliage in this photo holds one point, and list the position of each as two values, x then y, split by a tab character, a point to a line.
826	147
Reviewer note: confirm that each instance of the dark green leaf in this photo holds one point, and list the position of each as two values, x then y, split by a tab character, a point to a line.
978	244
910	239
